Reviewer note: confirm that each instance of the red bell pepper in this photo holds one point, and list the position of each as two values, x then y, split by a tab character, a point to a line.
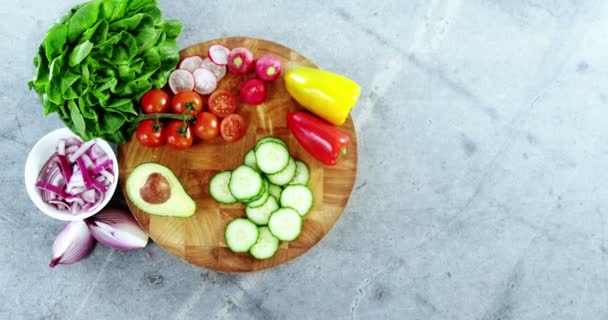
321	139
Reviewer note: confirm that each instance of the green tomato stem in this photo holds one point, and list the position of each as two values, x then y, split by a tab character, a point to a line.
184	117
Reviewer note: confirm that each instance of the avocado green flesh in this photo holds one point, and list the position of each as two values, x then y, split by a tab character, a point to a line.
179	203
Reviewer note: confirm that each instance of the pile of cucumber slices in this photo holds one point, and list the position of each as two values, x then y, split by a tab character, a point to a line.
274	187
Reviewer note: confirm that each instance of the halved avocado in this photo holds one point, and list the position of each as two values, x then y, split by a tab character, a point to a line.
156	190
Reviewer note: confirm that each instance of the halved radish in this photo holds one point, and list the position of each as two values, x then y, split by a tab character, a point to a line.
191	63
205	81
218	54
218	71
181	80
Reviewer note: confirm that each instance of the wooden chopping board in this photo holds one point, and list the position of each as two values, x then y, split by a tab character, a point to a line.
200	239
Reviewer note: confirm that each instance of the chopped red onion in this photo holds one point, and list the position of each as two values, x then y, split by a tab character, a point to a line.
102	159
65	167
96	152
102	166
89	195
73	179
99	186
84	172
109	176
87	161
71	149
51	188
81	150
61	148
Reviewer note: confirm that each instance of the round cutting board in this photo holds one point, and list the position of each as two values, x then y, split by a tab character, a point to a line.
200	238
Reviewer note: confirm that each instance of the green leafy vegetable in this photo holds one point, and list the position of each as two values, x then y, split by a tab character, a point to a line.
98	61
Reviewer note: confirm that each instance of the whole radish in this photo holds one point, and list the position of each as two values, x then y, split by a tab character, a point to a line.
268	67
253	91
240	60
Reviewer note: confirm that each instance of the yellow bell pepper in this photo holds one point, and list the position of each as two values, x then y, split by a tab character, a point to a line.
326	94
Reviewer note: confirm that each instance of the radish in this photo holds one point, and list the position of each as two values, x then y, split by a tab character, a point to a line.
240	60
253	91
181	80
218	71
191	63
268	67
218	54
205	81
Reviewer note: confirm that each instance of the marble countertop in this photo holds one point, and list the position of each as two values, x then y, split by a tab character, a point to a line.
482	183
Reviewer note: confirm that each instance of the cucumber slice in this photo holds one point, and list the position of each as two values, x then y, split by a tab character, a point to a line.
268	139
298	197
275	191
284	176
257	196
272	157
266	246
285	224
245	183
241	234
302	174
218	188
265	194
249	159
261	214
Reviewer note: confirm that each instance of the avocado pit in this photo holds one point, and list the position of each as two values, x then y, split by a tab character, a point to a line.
156	190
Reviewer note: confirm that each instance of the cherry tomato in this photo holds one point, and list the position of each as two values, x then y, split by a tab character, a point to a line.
253	91
155	101
232	127
179	136
151	133
188	102
222	103
206	126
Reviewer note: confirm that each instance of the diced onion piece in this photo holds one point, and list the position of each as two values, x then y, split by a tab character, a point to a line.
81	150
61	148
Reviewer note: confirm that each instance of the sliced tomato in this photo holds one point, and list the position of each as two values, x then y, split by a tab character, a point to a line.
222	103
232	127
179	136
206	126
188	102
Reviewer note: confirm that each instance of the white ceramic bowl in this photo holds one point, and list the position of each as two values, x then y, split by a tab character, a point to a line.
42	151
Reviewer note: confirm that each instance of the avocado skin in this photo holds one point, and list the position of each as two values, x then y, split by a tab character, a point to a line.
179	203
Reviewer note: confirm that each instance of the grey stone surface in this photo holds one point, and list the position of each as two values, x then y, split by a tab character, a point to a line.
482	183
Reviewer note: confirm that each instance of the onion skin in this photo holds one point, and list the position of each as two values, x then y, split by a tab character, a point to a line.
72	244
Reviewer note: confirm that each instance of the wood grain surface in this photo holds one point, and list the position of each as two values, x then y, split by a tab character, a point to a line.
200	239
